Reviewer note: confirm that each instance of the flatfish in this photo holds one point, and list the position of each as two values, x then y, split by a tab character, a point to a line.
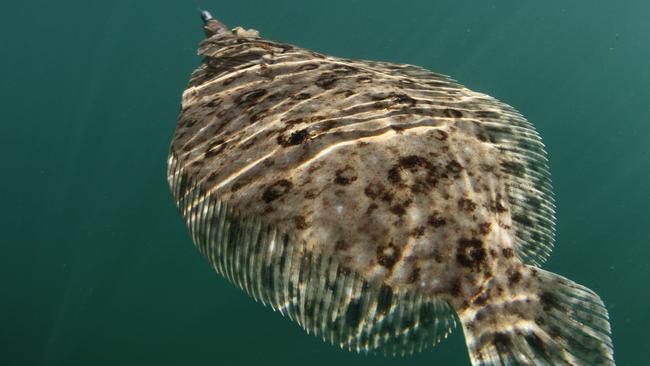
377	205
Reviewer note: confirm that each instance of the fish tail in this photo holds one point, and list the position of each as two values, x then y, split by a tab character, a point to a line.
541	319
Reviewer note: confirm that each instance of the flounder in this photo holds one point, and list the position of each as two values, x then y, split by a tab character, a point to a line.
376	204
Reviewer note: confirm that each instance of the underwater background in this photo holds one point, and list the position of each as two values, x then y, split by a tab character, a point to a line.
97	267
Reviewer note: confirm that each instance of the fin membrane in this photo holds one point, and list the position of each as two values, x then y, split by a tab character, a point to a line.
526	174
308	287
524	165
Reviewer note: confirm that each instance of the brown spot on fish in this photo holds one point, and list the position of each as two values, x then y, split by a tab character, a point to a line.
296	138
342	245
397	128
214	152
414	275
276	190
436	220
452	113
250	97
345	176
513	168
441	135
385	299
437	256
388	255
394	176
501	342
300	222
466	204
399	208
307	67
454	290
514	278
302	96
486	114
418	232
403	99
326	81
470	253
413	162
536	343
453	167
485	228
548	301
311	194
373	190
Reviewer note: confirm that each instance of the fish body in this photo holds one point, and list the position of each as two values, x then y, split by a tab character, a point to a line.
376	204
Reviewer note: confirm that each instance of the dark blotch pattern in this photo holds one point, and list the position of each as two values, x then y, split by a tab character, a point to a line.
466	204
549	301
394	175
388	255
296	138
436	220
485	228
250	97
454	290
453	167
453	113
414	276
513	168
399	208
307	67
353	314
373	190
302	96
276	190
502	342
523	220
326	81
441	135
385	299
342	245
535	343
413	162
514	278
470	253
300	222
345	176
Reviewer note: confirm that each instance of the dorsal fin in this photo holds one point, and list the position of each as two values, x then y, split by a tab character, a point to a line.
526	176
523	163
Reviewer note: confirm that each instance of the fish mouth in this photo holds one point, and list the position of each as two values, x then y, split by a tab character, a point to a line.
211	26
206	16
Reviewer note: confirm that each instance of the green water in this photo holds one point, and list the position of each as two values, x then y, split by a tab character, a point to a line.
97	267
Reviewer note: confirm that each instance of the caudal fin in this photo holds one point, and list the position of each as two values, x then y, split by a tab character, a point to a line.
543	319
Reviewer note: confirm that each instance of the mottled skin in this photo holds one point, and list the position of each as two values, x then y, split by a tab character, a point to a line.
408	179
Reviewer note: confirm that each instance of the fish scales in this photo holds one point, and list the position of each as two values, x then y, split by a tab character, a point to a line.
375	203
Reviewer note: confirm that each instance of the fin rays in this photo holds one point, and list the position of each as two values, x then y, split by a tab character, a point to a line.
559	323
308	287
